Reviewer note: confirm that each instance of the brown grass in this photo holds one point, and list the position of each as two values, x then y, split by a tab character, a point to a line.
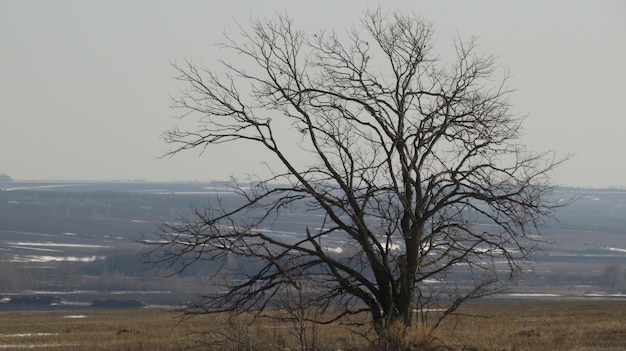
537	325
540	325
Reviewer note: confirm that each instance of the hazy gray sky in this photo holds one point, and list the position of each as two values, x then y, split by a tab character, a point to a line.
85	85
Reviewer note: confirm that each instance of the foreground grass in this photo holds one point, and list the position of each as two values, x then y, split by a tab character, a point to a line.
540	325
93	330
520	326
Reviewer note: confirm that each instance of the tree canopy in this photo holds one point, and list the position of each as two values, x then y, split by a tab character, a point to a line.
414	164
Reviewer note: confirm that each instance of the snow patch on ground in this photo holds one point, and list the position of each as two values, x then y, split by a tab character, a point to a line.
26	335
44	259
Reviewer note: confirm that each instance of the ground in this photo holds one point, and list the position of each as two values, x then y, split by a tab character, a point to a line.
573	325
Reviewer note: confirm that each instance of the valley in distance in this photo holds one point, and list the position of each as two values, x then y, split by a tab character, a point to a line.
78	244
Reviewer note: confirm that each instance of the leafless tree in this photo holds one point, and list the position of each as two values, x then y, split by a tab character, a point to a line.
414	162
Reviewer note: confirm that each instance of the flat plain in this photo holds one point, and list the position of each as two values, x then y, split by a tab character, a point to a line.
573	325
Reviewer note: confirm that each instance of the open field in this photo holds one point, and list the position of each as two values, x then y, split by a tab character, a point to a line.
574	325
541	325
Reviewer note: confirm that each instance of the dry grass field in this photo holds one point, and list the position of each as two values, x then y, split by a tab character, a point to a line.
581	325
540	325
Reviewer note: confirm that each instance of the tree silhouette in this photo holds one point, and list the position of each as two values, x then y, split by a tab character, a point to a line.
425	191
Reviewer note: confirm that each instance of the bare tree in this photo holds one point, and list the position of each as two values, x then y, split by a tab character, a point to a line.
415	164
